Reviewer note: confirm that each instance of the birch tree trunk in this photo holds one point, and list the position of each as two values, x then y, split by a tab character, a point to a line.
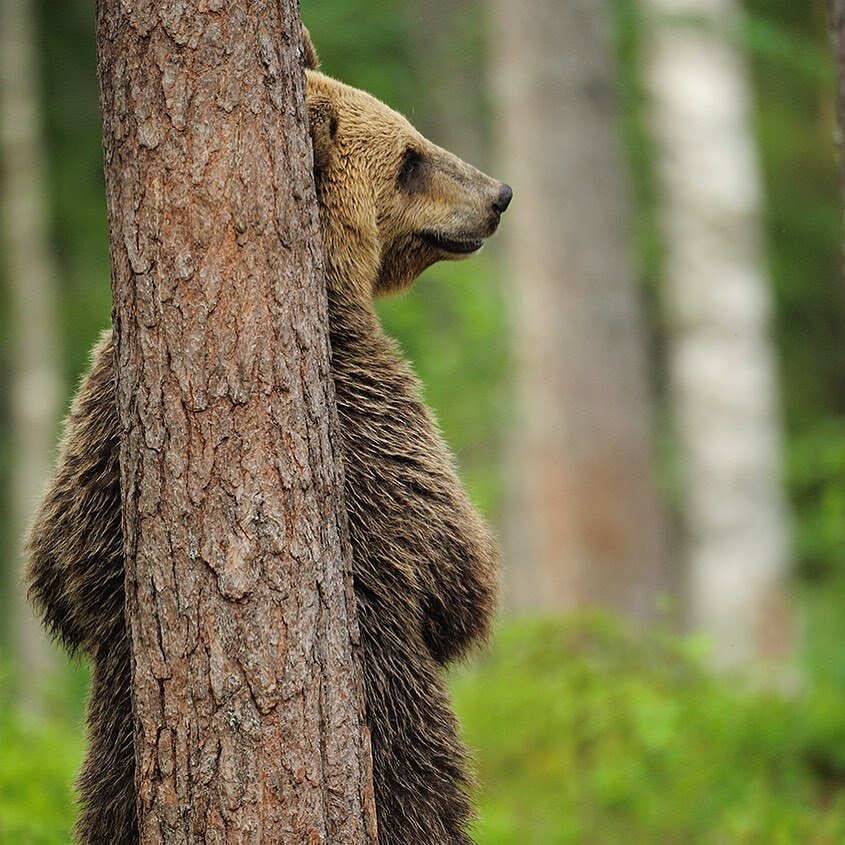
247	697
586	527
718	301
31	274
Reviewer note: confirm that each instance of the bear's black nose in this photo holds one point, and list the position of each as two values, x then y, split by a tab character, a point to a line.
501	203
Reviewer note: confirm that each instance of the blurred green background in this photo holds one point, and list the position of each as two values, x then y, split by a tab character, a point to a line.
586	729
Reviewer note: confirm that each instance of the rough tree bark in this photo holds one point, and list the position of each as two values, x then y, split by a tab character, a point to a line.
718	301
31	274
248	704
585	526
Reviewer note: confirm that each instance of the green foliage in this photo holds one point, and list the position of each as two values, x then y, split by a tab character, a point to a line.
38	759
78	202
585	733
817	481
794	122
365	44
36	800
769	36
589	733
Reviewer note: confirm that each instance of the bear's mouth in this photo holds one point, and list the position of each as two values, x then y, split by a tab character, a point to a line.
458	246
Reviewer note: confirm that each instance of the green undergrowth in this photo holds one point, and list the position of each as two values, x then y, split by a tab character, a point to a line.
39	755
587	733
584	732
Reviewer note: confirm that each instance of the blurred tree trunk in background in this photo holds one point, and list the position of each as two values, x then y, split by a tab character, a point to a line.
30	275
722	362
246	692
585	525
442	34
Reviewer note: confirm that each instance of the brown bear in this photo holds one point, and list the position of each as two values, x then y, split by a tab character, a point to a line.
424	564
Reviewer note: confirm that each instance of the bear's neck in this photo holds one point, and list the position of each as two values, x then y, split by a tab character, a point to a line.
352	256
353	284
360	347
350	313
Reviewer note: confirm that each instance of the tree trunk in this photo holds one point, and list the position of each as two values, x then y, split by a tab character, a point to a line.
722	362
450	104
31	274
248	702
585	525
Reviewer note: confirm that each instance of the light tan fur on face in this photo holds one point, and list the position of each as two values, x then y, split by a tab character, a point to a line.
382	224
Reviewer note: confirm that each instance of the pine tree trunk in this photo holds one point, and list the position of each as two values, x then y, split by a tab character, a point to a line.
585	526
31	275
722	363
248	703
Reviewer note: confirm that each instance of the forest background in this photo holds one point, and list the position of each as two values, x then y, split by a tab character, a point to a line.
588	725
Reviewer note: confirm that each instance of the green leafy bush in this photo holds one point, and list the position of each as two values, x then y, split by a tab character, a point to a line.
39	757
817	484
585	733
588	733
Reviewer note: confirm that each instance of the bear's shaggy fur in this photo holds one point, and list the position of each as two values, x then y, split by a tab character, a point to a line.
424	563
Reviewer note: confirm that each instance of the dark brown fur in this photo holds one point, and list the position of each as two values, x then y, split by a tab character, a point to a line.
423	561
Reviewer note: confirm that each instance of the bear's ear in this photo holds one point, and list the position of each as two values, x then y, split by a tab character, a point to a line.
309	54
322	123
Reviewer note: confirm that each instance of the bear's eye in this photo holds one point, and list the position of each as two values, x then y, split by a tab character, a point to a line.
410	173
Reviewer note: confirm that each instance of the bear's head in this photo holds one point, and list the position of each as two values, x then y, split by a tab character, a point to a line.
391	202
